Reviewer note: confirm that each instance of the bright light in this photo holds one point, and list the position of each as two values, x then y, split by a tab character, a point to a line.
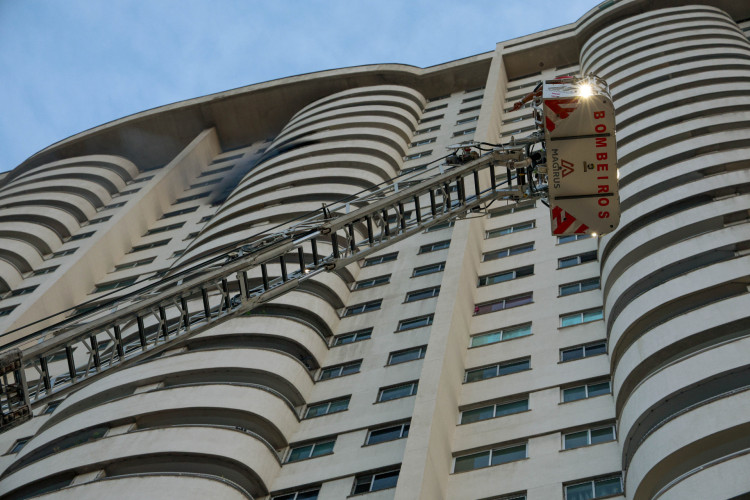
618	174
585	90
593	235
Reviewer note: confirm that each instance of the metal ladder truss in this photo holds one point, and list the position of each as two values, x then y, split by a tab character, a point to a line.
55	361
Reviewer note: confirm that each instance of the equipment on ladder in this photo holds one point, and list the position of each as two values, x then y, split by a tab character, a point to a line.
568	164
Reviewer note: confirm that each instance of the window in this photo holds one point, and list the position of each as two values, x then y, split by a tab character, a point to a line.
179	212
500	335
375	482
491	279
507	252
434	247
439	98
380	280
405	355
470	108
579	286
397	391
572	237
348	338
340	370
422	142
7	310
325	408
518	118
467	120
143	179
45	270
464	132
494	411
475	98
51	407
408	324
511	209
146	246
374	261
596	488
216	171
435	108
581	317
205	183
62	253
427	293
129	191
414	169
510	229
23	291
585	391
505	303
299	495
191	236
176	254
164	228
418	155
438	227
588	437
583	351
192	197
490	457
575	260
431	118
364	307
429	269
227	158
205	218
497	370
313	450
100	219
18	445
114	205
387	434
81	236
426	130
115	284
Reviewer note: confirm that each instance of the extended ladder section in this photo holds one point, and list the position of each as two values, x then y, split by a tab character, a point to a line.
56	360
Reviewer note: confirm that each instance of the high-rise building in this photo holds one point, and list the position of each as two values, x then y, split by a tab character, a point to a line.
483	359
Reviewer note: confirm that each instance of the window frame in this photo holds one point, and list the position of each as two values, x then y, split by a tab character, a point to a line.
593	482
371	478
313	445
403	432
580	284
502	332
587	389
18	445
341	367
295	494
588	431
570	238
509	251
505	402
490	455
584	348
513	228
434	247
441	266
514	275
415	156
434	292
372	261
421	352
582	315
115	285
362	284
580	259
328	404
429	317
511	209
497	366
149	246
366	333
504	301
414	387
362	308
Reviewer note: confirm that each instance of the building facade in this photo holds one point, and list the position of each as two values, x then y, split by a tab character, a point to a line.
483	359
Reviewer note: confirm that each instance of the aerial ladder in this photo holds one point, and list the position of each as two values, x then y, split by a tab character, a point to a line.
569	163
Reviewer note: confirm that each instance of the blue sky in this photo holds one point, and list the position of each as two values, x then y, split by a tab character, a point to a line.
69	65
